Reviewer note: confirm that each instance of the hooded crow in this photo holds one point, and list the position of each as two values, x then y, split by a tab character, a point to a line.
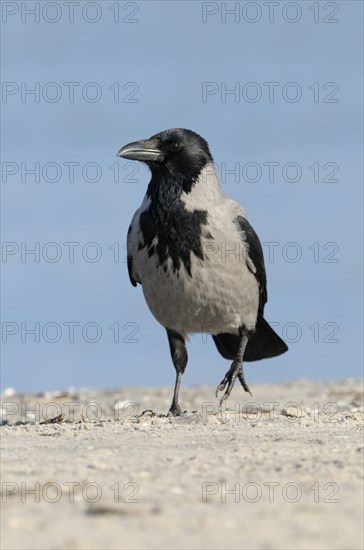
199	261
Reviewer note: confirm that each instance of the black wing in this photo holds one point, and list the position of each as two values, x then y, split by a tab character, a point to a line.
264	342
130	262
255	252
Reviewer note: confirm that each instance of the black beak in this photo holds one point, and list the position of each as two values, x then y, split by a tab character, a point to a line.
144	150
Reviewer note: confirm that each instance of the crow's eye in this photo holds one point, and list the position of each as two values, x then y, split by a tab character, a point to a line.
174	146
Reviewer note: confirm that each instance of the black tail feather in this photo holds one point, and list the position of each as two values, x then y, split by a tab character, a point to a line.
262	344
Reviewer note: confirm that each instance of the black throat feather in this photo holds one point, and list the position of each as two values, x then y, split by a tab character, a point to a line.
178	230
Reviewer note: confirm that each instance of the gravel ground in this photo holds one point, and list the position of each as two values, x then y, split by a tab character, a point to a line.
281	470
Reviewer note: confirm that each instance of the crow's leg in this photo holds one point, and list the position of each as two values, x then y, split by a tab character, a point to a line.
179	358
235	371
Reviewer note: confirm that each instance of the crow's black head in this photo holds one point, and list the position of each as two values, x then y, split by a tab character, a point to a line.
179	152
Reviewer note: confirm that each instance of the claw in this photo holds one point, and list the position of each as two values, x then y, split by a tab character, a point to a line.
222	385
227	383
243	383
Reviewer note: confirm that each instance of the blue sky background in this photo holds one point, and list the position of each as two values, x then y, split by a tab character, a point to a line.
167	53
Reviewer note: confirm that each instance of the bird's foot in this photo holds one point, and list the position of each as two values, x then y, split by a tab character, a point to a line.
227	384
175	410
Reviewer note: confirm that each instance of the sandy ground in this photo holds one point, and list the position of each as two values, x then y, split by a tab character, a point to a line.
255	475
